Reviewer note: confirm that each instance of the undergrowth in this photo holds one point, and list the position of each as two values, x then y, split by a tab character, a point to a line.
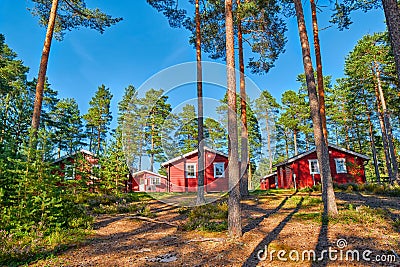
211	217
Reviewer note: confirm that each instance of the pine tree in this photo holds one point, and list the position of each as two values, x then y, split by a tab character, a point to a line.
267	109
234	210
60	17
328	195
98	118
155	111
67	126
131	125
187	133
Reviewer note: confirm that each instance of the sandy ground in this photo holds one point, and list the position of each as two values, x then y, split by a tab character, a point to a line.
275	222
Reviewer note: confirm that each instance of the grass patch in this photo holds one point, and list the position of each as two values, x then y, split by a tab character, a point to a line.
308	216
259	192
212	217
312	201
112	204
23	248
372	188
362	215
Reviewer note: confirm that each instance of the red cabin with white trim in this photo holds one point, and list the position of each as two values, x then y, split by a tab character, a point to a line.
182	172
303	170
146	181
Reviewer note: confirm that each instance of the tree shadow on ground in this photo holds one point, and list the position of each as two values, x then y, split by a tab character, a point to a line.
372	201
322	245
254	259
256	222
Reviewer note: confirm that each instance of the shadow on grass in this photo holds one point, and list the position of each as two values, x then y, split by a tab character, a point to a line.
256	222
323	244
254	259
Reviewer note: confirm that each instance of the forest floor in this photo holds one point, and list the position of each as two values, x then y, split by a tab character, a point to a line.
368	225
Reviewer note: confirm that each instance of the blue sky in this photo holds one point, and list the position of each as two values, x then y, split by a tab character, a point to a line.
143	44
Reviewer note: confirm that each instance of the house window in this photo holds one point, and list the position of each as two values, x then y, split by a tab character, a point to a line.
313	164
142	181
69	172
155	180
190	170
341	165
219	170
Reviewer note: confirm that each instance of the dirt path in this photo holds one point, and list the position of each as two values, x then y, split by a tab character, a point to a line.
279	222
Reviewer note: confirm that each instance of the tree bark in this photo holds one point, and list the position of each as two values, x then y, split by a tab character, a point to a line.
98	140
152	149
392	15
328	195
388	126
384	135
244	156
373	147
200	135
268	142
37	108
320	77
234	210
295	142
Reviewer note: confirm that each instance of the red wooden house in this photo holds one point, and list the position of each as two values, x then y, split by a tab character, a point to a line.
76	165
269	181
146	181
303	170
182	172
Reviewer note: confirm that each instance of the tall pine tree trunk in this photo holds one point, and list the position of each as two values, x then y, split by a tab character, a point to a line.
372	139
320	77
392	15
37	108
388	126
268	142
200	136
234	209
244	156
384	135
152	148
98	140
328	195
373	147
295	142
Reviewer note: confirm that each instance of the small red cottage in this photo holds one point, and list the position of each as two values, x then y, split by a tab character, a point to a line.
78	165
269	181
182	172
303	170
146	181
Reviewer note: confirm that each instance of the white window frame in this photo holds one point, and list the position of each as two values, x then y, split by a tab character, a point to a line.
194	170
342	162
310	162
216	164
154	180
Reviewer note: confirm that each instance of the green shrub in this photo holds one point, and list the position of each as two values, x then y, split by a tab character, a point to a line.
21	248
306	190
317	188
212	217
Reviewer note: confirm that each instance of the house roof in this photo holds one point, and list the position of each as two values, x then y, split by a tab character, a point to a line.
299	156
269	175
192	153
150	172
84	151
